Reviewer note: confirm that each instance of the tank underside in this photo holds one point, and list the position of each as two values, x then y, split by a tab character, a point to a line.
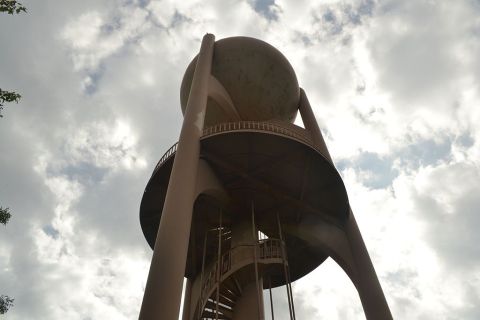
279	175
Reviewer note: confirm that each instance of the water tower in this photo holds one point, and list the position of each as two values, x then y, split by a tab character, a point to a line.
246	201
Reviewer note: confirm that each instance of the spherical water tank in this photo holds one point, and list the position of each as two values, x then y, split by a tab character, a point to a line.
259	79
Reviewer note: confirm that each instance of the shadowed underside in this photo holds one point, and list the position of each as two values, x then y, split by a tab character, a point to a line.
280	175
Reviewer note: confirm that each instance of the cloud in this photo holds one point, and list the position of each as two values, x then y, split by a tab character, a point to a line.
420	230
394	86
93	37
266	8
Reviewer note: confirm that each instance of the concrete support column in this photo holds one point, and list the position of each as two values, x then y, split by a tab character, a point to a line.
369	289
163	290
242	233
250	304
247	305
311	125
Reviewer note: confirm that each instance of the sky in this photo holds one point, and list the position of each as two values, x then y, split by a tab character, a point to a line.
395	87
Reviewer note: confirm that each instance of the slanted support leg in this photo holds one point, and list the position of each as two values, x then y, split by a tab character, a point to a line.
348	249
311	125
163	289
369	289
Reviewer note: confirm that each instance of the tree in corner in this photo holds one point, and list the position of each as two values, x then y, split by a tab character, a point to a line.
7	96
4	215
10	7
5	303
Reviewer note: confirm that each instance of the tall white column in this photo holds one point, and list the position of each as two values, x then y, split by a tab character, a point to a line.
163	290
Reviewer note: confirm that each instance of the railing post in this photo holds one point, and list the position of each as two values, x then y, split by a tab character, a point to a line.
271	299
284	258
201	275
255	239
219	269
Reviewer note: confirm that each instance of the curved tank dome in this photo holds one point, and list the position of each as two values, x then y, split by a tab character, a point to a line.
259	79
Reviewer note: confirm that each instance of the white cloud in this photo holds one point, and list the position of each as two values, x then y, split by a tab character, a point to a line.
394	85
93	36
332	292
104	145
413	228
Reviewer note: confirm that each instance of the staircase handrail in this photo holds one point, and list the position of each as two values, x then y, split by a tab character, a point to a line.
267	249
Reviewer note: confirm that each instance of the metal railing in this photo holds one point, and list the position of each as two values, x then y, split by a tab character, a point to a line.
279	128
275	127
266	249
171	151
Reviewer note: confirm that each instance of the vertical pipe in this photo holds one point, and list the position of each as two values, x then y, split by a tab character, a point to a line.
271	299
203	270
291	294
219	264
287	274
255	239
187	300
284	267
163	290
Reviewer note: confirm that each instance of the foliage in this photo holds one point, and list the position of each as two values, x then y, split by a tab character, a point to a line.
5	303
11	6
8	96
4	215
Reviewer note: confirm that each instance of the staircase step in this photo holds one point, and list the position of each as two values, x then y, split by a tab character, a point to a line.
238	287
212	315
229	294
222	309
226	300
212	302
233	285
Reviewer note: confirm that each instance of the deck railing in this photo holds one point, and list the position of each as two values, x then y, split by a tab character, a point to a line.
275	127
171	151
279	128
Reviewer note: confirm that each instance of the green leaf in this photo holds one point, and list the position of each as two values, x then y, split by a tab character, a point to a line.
11	6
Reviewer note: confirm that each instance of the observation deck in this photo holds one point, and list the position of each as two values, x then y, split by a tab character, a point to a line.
274	164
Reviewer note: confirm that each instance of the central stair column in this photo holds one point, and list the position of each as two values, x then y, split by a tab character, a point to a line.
247	304
250	304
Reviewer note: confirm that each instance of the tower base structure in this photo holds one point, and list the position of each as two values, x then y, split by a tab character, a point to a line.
246	201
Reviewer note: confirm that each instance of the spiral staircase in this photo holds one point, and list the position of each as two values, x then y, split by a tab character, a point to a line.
224	280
